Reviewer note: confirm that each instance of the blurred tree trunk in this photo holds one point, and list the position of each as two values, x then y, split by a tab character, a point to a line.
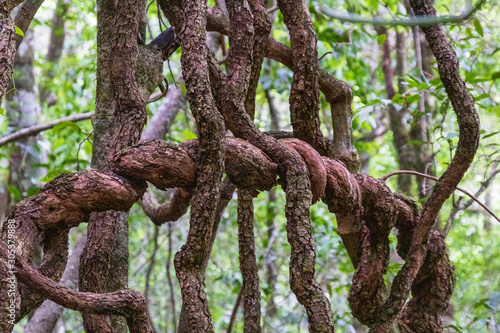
55	49
23	111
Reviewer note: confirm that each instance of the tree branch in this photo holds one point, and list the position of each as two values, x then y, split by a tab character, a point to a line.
468	122
472	196
127	303
421	20
34	130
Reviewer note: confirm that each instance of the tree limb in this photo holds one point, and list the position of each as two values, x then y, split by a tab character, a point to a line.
34	130
421	20
472	196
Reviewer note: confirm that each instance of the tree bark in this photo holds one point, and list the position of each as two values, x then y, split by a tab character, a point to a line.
248	262
468	121
45	318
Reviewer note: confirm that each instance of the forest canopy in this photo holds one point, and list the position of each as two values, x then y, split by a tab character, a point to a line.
249	166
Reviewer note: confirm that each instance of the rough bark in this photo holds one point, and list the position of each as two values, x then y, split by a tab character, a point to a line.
91	190
366	209
304	92
292	167
45	318
468	122
337	93
248	262
189	261
127	303
123	87
7	44
262	26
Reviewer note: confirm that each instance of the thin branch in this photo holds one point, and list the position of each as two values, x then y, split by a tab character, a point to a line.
24	17
235	311
403	21
34	130
399	172
170	282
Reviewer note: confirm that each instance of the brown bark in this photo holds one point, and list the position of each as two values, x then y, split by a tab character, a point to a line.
248	262
7	44
157	128
468	121
291	167
93	191
304	93
366	209
189	261
262	26
337	93
123	87
127	303
45	317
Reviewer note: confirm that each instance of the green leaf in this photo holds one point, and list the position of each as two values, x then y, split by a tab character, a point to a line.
490	135
478	27
18	31
381	39
32	191
59	127
189	135
53	174
436	81
398	99
495	76
374	4
415	143
469	76
2	112
413	99
15	192
482	96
